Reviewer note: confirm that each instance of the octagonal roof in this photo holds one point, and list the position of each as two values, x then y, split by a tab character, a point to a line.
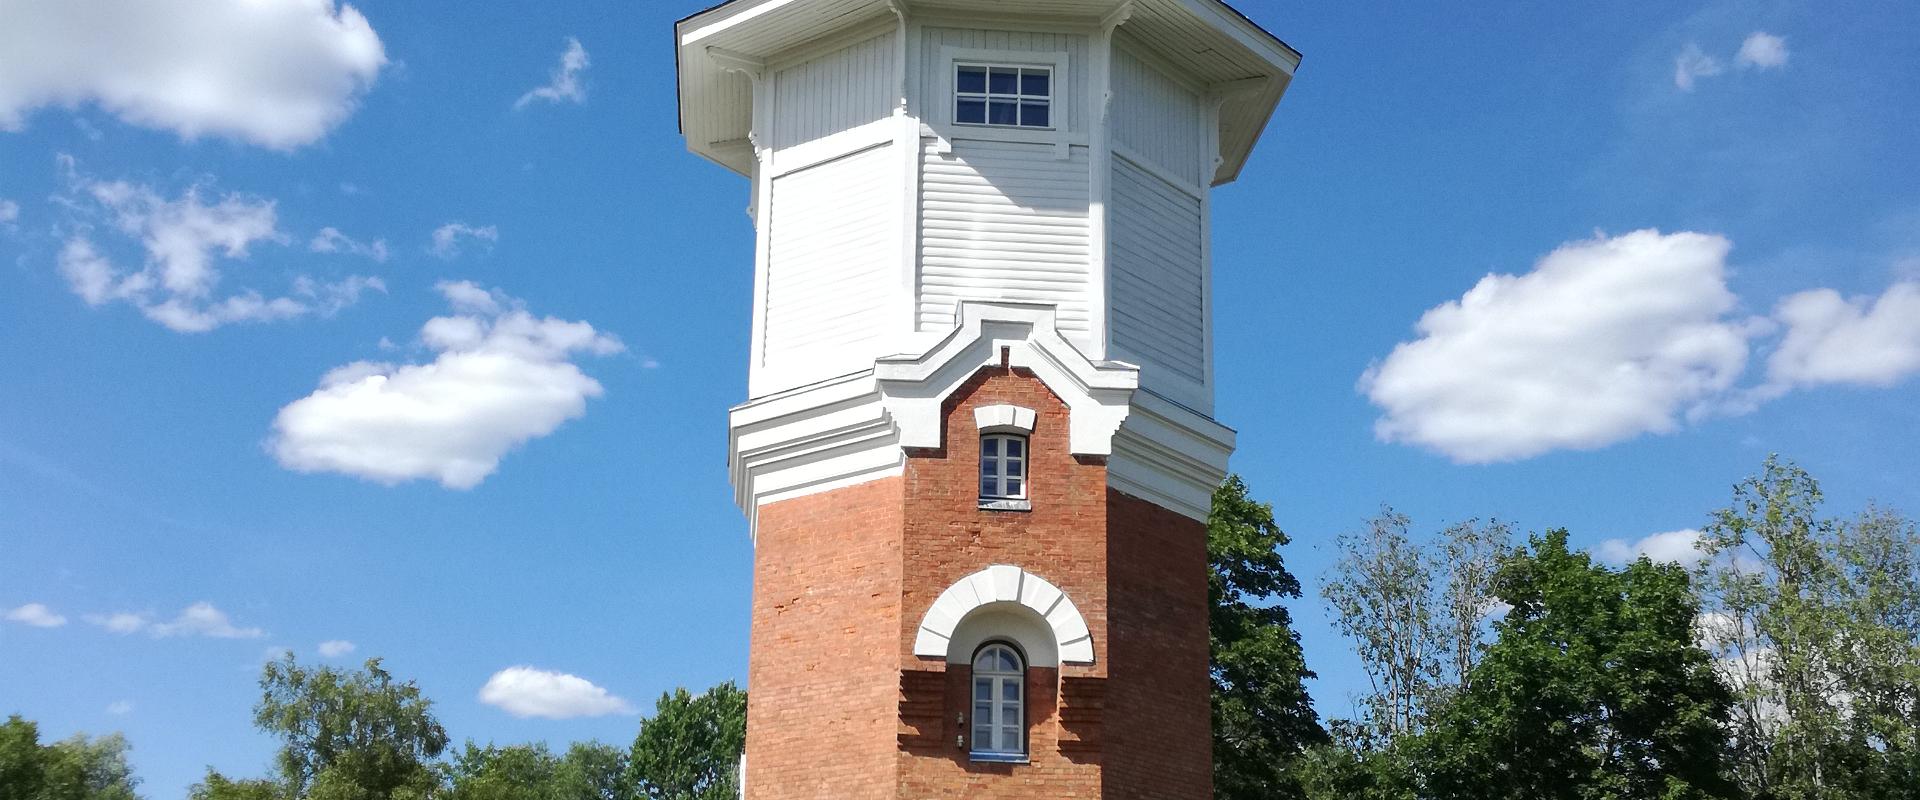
1207	39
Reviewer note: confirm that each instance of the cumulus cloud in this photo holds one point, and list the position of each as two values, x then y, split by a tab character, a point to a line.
277	74
36	615
502	377
1693	64
1762	51
1606	339
335	648
182	242
199	619
447	238
120	707
331	240
1680	547
564	87
1830	339
528	692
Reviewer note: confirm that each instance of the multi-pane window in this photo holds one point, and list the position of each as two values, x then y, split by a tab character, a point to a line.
1020	97
999	727
1003	466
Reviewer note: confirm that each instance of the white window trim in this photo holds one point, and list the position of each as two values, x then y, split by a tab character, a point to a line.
1005	418
1009	502
999	704
1064	113
1019	97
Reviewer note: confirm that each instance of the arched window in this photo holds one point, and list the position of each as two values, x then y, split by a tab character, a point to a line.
1003	466
999	720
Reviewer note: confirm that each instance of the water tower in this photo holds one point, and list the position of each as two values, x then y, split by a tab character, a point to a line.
978	448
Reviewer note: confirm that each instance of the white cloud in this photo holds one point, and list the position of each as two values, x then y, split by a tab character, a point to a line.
502	377
446	238
37	615
9	211
120	707
331	240
529	692
278	74
199	619
1833	340
1762	51
335	648
565	84
1680	547
1693	64
1606	339
182	242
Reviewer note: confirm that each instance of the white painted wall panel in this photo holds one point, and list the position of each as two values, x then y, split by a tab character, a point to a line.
832	265
936	74
1159	288
1157	117
1004	221
835	92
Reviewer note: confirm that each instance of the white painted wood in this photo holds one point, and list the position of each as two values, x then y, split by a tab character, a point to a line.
1157	116
942	44
1158	272
829	276
1003	221
1000	589
836	91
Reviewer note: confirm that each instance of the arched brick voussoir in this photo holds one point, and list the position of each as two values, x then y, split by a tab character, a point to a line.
1005	583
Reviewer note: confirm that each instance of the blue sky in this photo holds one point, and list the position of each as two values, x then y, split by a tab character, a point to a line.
178	422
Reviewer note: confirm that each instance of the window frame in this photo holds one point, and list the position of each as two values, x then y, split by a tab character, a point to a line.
1065	113
1000	459
1019	98
999	705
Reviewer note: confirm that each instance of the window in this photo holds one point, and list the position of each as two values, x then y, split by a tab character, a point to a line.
1003	466
1019	97
999	723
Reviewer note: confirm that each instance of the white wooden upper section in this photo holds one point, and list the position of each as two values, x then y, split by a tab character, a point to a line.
878	213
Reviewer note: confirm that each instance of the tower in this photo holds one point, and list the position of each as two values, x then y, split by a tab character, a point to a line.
978	451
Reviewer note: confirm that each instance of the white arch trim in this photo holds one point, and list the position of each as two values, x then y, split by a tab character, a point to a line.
1003	583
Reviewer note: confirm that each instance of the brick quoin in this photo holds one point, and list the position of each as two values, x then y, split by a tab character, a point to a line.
840	707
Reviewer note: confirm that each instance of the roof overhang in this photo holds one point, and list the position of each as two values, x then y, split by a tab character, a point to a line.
718	50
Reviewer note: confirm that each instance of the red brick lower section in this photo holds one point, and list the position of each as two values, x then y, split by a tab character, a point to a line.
840	707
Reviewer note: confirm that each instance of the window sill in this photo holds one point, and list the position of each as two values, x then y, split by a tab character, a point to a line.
998	758
1005	505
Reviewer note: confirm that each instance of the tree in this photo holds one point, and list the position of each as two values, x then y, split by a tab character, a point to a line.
1263	718
345	735
1816	622
1416	614
1593	689
75	768
690	748
588	771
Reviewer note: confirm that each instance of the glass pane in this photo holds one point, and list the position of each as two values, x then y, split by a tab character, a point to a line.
971	79
1005	80
1015	468
991	446
1011	686
970	111
1014	446
1013	487
1035	115
983	737
989	487
1009	739
1007	663
1003	113
983	689
1034	82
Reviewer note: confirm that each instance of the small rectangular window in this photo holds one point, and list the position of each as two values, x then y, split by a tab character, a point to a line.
1003	467
1016	97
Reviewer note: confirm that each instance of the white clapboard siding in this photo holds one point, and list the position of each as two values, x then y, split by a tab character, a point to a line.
936	74
1156	117
831	262
835	92
1004	221
1159	308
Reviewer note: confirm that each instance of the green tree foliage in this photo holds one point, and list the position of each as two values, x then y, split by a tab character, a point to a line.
1263	717
690	748
587	771
1594	689
1816	622
76	768
345	735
